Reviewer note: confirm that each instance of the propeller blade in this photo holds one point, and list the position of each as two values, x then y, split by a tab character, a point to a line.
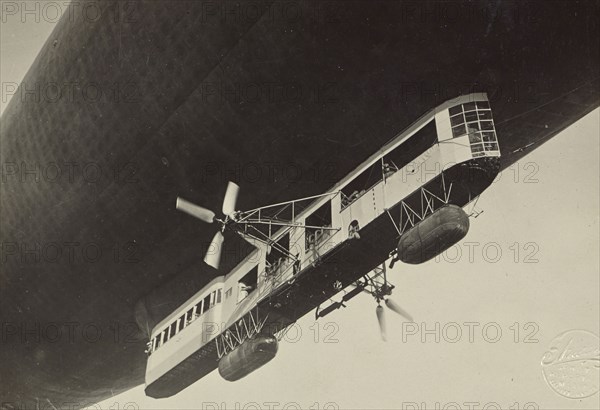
213	254
199	212
381	318
230	198
396	308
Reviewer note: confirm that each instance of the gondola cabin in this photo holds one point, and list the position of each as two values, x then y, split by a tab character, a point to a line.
405	202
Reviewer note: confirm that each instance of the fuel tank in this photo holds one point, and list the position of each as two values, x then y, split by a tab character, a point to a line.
247	357
433	235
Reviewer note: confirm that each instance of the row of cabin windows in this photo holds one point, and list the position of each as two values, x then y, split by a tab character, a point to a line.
183	321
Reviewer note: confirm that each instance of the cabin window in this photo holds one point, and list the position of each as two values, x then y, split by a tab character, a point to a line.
198	308
455	110
313	233
361	184
165	336
181	323
189	315
277	259
247	284
218	295
156	342
173	330
485	115
206	306
228	293
410	149
395	160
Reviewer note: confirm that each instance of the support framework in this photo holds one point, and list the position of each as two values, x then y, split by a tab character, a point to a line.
243	329
430	202
374	283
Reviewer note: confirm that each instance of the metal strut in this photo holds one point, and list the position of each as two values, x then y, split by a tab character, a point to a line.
374	283
280	334
243	329
430	202
377	284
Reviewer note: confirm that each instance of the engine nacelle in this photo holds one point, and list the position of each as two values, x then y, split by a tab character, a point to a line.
248	357
433	235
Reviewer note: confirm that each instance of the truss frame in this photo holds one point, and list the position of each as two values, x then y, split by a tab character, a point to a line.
409	216
247	327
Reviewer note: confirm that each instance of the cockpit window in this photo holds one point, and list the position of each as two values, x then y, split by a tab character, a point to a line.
475	119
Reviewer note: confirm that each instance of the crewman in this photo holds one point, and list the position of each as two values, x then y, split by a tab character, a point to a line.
244	290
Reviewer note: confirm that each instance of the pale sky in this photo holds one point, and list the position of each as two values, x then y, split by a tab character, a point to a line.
546	206
20	43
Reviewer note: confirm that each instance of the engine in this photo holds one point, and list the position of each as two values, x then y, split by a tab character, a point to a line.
248	357
433	235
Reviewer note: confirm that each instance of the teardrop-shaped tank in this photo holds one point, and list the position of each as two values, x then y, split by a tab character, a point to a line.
433	235
248	357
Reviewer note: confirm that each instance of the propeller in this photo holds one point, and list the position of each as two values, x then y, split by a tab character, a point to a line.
213	254
230	199
394	307
199	212
381	319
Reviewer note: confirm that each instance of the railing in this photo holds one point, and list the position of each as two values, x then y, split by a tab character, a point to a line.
317	238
